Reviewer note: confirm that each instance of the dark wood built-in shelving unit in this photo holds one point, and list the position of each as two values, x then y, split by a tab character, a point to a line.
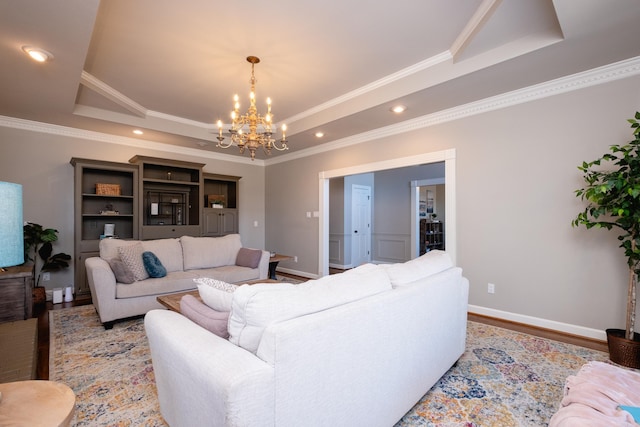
171	202
92	211
431	235
156	198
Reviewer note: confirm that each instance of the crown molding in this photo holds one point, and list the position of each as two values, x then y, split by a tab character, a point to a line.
605	74
69	132
475	24
601	75
98	86
391	78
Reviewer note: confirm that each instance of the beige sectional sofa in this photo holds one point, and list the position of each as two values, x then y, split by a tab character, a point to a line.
184	259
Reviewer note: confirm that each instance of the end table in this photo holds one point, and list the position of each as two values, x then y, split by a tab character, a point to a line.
36	403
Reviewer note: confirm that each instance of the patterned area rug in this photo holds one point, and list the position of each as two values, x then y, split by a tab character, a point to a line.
504	378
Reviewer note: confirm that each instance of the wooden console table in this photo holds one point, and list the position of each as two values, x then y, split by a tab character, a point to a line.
15	293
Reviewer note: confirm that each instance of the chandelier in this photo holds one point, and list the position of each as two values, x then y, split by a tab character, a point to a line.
244	128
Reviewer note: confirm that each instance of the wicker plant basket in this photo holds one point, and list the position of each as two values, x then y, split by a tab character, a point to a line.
107	189
623	351
39	295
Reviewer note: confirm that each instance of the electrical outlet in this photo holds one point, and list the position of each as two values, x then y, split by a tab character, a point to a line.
46	276
491	288
295	259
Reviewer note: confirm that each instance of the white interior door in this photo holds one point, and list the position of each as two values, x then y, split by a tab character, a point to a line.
360	224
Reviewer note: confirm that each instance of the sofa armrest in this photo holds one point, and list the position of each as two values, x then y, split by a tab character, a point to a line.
263	266
203	379
102	283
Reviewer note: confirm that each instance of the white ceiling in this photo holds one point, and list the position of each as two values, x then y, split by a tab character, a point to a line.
171	68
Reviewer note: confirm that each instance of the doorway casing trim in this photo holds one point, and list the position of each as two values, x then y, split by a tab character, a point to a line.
446	156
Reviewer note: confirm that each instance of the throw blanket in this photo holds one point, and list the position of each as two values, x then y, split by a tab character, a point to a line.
593	396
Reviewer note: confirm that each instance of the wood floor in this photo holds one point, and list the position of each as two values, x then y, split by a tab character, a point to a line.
42	313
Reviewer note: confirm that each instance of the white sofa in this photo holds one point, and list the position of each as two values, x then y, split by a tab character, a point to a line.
355	349
184	259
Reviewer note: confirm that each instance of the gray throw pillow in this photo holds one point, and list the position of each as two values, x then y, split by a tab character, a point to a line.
210	319
122	273
131	256
248	257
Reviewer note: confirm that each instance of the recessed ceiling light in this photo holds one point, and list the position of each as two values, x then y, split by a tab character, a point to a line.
319	134
37	54
138	132
399	109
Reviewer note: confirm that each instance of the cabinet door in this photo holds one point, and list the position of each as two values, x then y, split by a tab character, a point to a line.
211	222
219	222
229	221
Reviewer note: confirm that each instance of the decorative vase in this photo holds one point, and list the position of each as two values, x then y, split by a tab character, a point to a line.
68	294
623	351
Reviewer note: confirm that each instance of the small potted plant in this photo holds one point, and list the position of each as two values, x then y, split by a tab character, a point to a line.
613	196
38	244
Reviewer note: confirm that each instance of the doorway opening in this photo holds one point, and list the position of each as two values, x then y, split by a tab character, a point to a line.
446	156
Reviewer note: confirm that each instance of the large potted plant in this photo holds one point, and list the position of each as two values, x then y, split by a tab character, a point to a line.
38	248
612	191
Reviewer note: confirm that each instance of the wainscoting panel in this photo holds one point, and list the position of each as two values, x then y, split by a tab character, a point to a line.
336	243
391	247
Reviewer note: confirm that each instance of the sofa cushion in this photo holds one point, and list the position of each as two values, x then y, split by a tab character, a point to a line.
122	273
431	263
255	307
168	251
131	256
109	247
215	293
176	281
248	257
210	319
153	265
208	252
229	273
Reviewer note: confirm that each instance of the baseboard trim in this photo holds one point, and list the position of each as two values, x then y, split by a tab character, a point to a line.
297	273
564	332
340	266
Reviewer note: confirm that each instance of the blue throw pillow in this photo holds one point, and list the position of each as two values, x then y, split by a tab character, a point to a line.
153	265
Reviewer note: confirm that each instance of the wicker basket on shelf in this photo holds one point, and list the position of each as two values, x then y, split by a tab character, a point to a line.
107	189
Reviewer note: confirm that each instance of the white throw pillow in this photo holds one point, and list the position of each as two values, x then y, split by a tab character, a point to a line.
216	294
427	265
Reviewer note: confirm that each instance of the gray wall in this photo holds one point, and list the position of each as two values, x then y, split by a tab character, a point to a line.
40	162
516	172
515	175
392	206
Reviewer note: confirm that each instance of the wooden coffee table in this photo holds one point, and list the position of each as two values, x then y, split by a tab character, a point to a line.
172	301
